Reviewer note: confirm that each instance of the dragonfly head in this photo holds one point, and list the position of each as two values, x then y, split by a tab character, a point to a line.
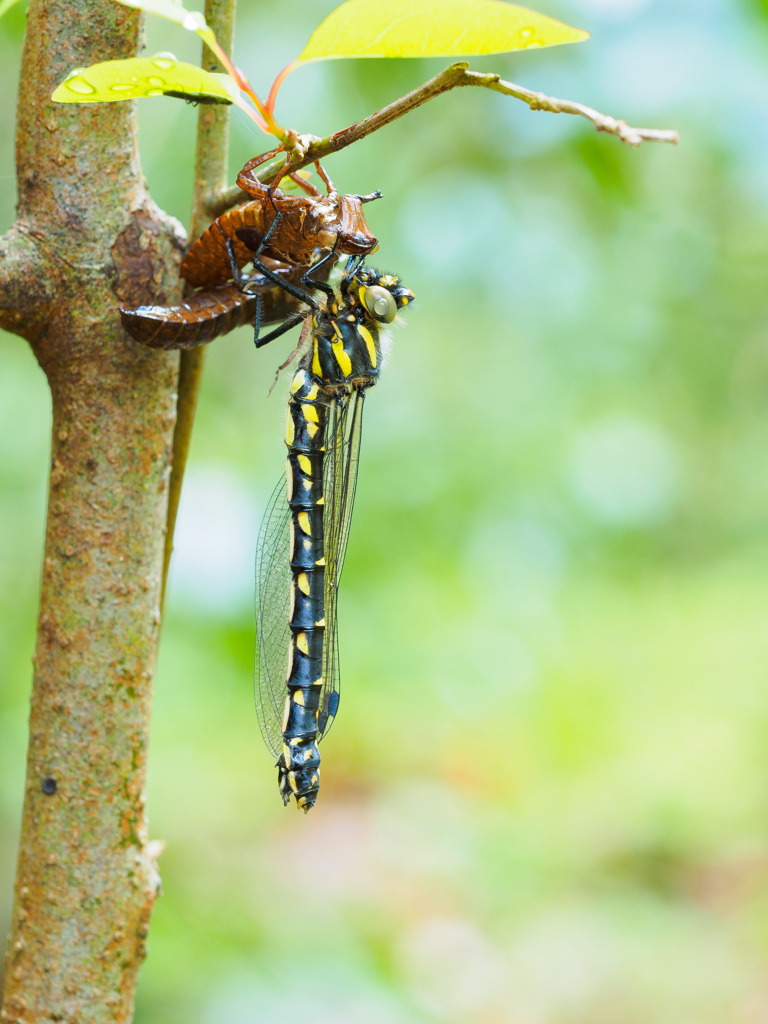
380	295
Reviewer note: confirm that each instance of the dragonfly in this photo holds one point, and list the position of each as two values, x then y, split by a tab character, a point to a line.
303	536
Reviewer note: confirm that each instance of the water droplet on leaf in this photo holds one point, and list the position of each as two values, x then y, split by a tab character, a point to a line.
80	86
164	63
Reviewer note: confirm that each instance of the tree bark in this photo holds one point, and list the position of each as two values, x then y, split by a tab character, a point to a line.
87	237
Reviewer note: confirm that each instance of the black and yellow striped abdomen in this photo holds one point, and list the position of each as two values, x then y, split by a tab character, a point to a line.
305	437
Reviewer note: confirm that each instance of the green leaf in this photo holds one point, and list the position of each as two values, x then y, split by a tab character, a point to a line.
170	9
161	75
6	5
433	28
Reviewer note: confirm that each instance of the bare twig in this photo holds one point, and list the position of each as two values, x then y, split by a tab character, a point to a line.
455	76
603	122
210	179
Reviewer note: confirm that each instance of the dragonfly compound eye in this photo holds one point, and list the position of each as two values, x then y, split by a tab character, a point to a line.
380	303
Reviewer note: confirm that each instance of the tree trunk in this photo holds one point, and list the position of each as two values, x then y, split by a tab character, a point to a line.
88	236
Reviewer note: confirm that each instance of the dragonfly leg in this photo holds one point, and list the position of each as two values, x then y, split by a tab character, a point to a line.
292	289
237	277
352	267
308	280
287	286
272	227
290	323
257	320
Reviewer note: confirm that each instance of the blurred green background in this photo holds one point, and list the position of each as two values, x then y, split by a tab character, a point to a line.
545	800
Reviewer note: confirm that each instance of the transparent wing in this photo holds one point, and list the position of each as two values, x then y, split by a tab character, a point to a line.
273	575
340	480
273	595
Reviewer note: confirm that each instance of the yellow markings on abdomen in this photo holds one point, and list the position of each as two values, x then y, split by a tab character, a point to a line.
301	643
310	415
345	363
305	464
298	698
286	712
298	380
370	344
290	430
303	583
304	523
316	360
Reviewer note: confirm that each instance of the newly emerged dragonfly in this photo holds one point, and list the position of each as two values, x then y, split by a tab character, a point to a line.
304	532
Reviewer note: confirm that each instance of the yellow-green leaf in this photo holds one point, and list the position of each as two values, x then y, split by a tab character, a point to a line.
6	5
161	75
433	28
170	9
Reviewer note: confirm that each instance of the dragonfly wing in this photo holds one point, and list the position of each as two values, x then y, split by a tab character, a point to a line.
340	480
273	590
273	575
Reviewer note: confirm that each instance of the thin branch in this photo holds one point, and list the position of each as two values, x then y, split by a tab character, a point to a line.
210	179
602	122
457	75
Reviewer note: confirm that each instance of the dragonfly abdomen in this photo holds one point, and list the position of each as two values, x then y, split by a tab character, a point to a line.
305	438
